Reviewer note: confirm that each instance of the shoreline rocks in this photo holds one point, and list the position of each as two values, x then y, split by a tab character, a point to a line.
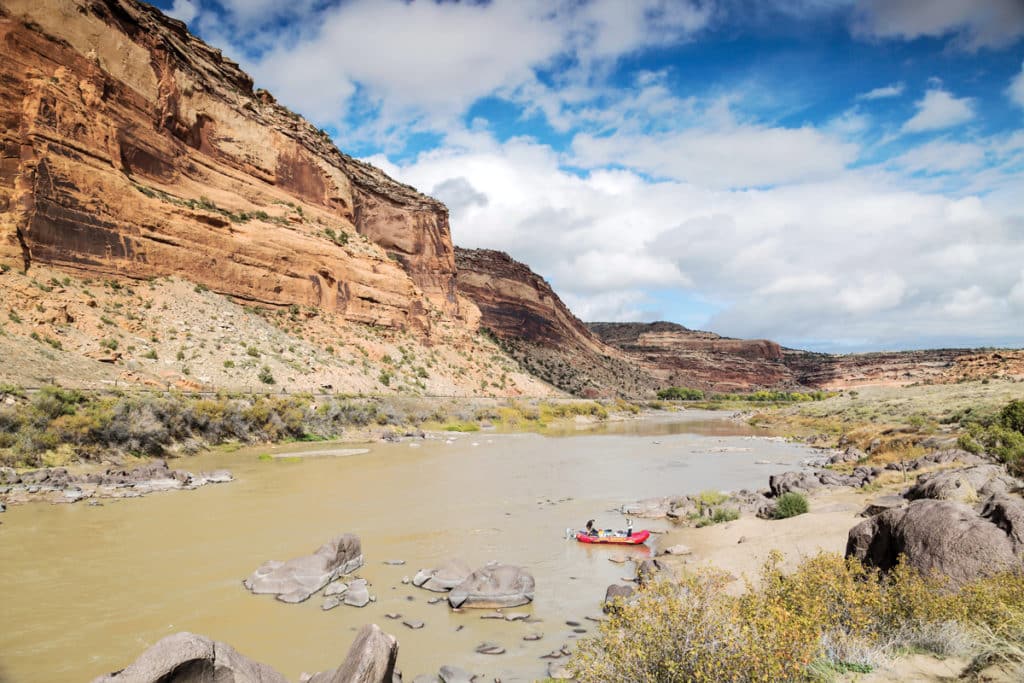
299	578
58	485
944	536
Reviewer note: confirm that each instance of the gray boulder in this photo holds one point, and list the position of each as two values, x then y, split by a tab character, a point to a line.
371	659
493	586
967	485
443	578
1008	514
941	536
651	508
800	482
650	570
851	454
188	658
297	579
883	503
357	594
614	592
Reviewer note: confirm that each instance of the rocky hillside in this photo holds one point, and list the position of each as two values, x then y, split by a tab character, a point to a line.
131	148
897	368
162	223
533	325
678	356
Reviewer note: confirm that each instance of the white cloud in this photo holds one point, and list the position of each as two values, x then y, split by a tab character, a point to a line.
1016	90
939	156
431	60
939	109
736	156
184	10
892	90
855	256
972	23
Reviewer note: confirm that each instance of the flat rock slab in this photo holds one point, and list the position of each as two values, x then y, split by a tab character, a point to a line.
444	577
394	563
335	588
490	649
413	624
533	636
330	603
493	586
358	594
393	615
297	579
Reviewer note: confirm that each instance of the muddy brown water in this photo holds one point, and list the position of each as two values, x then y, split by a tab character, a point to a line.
86	589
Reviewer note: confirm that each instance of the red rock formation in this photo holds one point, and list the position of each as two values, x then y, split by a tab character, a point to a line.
129	147
678	356
538	329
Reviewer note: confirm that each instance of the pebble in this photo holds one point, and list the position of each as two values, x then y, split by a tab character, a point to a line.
516	617
579	630
492	616
406	580
413	624
394	563
533	636
572	623
433	601
393	615
330	603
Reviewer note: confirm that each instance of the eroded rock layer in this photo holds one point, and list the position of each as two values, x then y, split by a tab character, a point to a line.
533	324
678	356
129	147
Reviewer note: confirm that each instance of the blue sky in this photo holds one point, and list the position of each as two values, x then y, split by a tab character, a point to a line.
832	174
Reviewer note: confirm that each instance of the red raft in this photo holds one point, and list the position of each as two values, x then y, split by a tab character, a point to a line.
635	538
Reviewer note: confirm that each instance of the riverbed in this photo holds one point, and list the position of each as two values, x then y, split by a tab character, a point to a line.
87	588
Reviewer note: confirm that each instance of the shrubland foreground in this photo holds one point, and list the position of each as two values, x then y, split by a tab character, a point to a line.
828	617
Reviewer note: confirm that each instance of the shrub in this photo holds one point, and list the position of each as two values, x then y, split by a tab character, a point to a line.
461	427
229	363
266	375
829	616
680	394
790	504
252	351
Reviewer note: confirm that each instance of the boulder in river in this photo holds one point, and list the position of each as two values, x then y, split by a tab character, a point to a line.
945	537
297	579
443	578
189	658
494	586
370	659
615	592
357	594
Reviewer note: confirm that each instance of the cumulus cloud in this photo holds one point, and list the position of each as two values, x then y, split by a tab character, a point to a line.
892	90
971	23
1016	90
184	10
939	109
431	60
736	156
941	156
859	256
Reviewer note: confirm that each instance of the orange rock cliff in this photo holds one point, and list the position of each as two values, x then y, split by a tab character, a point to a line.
131	148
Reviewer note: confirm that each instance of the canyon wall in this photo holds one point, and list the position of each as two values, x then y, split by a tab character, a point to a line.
128	147
533	325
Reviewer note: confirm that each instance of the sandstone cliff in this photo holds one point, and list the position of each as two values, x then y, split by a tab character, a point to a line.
678	356
537	328
128	147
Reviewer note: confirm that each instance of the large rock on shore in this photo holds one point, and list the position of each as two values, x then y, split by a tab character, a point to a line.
371	659
945	537
297	579
967	485
188	658
444	577
494	586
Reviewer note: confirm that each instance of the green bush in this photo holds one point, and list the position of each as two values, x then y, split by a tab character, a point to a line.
790	505
680	394
266	375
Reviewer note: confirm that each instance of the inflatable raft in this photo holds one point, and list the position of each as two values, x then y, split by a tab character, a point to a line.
636	538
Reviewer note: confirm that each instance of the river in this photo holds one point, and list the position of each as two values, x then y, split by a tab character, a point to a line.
86	588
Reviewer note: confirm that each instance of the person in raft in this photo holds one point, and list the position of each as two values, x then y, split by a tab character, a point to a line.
591	531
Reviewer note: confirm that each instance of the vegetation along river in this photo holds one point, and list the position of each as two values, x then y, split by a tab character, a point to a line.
86	589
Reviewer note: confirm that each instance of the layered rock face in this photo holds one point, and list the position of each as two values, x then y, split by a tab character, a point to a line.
128	147
900	367
678	356
538	329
